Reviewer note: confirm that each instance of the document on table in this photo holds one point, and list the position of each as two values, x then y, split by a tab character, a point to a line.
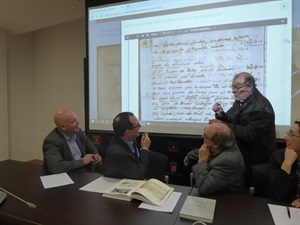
56	180
280	215
168	206
100	185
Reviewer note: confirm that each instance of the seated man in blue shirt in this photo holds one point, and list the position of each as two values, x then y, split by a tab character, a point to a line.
220	165
66	147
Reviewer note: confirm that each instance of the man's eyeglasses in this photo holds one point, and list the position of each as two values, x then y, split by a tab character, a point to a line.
290	134
136	126
236	88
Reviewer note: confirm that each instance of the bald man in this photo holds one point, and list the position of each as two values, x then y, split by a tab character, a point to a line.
66	148
219	163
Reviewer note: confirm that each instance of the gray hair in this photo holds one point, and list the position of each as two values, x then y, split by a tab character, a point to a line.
225	139
248	78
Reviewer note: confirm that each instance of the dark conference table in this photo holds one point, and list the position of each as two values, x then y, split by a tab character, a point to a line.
67	205
239	209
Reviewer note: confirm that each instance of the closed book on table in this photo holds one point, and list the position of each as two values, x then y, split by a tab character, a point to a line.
198	208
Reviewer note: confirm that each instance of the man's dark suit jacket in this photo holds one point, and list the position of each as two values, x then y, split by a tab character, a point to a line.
253	125
120	162
57	155
272	182
224	172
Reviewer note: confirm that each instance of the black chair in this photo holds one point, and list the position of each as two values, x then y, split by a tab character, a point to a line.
261	179
158	166
192	180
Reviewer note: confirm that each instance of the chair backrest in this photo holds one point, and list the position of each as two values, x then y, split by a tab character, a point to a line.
158	165
261	179
192	179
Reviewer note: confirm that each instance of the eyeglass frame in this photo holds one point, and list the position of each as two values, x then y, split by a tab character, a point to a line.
136	126
290	134
235	88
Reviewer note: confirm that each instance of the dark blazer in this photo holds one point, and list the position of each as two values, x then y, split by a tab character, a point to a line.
253	125
223	172
272	182
120	162
57	155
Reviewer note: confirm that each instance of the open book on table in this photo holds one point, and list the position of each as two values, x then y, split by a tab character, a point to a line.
151	191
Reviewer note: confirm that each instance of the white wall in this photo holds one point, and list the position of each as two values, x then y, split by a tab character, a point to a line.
4	149
45	73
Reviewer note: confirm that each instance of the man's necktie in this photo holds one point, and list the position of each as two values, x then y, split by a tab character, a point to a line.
136	151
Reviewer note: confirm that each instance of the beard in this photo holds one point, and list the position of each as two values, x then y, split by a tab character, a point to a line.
242	97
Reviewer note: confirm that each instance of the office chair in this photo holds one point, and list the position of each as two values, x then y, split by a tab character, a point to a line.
261	178
192	179
158	165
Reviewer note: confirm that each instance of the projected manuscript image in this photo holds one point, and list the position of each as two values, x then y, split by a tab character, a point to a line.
183	75
109	80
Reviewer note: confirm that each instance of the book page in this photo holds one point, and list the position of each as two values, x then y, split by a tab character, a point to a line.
168	206
154	192
123	189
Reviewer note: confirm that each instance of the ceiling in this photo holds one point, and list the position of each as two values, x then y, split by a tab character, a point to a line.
22	16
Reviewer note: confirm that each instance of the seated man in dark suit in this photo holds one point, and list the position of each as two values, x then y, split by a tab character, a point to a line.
124	157
66	147
279	179
220	165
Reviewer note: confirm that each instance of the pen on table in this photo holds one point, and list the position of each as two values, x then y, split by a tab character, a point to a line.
288	212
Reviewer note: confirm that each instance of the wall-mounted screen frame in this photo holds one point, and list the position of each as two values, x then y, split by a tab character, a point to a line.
169	61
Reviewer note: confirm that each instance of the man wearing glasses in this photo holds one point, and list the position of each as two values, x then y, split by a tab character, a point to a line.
280	179
252	120
124	157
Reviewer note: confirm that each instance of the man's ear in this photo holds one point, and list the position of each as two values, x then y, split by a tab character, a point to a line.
62	127
249	88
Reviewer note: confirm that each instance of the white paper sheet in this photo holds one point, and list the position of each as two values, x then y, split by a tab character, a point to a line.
168	206
100	184
280	215
56	180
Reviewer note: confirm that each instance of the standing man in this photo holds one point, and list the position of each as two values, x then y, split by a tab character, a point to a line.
66	147
220	166
252	120
124	157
